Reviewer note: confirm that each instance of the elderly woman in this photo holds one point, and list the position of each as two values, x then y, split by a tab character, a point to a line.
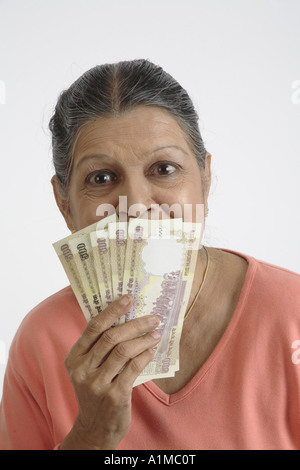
130	129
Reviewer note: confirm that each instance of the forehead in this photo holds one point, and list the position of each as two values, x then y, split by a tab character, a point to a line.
140	129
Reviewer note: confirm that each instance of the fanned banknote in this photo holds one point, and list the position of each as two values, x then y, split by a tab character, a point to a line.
152	260
66	257
81	249
118	240
100	247
158	274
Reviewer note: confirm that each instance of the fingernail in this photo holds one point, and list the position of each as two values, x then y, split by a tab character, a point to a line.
125	300
153	321
156	334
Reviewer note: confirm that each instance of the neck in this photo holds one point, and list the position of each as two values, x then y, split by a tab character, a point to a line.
209	294
201	265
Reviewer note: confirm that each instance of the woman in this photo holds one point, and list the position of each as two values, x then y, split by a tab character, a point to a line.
130	129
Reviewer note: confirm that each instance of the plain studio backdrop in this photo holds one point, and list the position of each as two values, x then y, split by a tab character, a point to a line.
239	61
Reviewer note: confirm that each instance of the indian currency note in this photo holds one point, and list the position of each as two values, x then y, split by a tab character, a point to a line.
143	378
66	257
67	260
100	243
101	255
81	249
158	275
117	239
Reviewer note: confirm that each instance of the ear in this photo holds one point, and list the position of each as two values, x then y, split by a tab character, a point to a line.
207	177
62	202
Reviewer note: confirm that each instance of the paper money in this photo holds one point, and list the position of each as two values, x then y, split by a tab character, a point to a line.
152	260
66	257
100	247
118	240
81	249
158	274
67	260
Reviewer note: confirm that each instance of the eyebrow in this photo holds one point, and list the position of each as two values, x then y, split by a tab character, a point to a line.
93	156
103	156
166	147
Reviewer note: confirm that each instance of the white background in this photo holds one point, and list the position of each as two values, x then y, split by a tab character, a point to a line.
238	59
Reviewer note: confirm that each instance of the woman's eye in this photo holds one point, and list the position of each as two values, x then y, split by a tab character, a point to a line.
100	178
164	169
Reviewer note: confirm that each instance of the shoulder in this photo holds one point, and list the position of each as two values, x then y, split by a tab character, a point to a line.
55	323
267	278
276	292
280	283
270	291
56	310
271	295
37	387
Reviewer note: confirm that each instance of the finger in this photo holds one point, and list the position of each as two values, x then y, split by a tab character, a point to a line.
126	352
117	336
100	323
133	369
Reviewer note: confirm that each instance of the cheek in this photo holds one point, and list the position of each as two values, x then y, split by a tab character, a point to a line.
83	210
86	210
186	201
190	192
192	208
83	215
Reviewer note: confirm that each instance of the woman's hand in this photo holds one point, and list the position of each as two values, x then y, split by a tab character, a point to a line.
93	364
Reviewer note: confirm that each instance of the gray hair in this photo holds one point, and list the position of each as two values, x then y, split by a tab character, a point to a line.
111	90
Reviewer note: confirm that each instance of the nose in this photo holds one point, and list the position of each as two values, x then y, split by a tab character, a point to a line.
135	198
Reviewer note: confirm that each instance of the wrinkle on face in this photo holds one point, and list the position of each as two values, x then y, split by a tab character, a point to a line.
129	142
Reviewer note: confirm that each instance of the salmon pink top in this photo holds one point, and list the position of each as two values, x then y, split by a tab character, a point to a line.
245	396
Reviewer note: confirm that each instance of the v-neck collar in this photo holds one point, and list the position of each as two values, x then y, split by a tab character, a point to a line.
171	399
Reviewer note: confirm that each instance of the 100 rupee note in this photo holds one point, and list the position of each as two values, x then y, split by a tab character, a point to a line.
151	260
81	249
118	240
66	257
101	254
158	274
